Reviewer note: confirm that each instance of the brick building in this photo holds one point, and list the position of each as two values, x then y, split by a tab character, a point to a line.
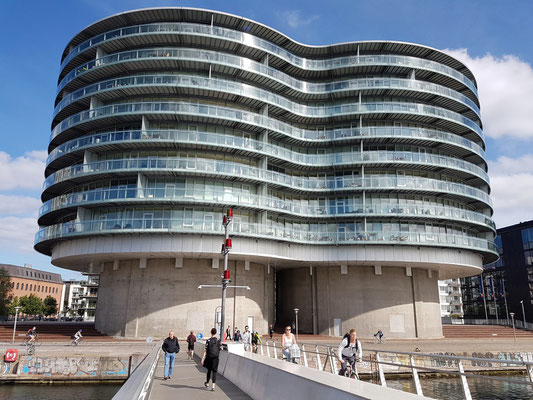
26	280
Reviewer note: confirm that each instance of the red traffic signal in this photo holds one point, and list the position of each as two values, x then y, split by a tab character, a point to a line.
230	213
223	247
228	243
226	275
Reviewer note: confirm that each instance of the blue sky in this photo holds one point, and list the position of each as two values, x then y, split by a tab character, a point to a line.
494	38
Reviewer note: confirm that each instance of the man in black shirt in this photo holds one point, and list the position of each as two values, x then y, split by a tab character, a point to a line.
171	347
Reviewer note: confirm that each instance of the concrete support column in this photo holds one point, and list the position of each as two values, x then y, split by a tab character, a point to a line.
314	299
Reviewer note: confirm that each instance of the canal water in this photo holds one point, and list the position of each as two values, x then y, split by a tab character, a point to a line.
481	389
445	389
91	391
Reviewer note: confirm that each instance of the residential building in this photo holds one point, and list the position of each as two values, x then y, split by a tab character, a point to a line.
451	304
26	280
356	173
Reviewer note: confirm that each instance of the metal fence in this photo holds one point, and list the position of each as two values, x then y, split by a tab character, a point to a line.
379	362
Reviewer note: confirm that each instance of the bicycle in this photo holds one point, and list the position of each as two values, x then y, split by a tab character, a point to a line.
35	342
74	342
379	340
351	371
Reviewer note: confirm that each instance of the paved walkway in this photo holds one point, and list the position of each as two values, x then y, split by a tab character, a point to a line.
188	382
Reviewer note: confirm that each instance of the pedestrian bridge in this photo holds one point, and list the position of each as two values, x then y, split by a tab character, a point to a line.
244	375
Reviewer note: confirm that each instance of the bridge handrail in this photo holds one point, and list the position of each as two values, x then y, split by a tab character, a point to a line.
459	369
138	385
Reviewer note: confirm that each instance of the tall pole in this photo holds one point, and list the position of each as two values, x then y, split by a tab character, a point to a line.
15	325
484	299
225	276
296	312
514	331
523	313
494	298
505	299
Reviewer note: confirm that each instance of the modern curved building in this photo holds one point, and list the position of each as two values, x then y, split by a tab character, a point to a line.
356	173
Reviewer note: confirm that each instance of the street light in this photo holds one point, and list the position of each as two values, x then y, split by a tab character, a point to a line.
523	313
296	312
512	319
15	325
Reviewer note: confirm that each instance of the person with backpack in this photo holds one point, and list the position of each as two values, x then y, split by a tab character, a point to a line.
210	358
190	345
349	351
171	347
256	341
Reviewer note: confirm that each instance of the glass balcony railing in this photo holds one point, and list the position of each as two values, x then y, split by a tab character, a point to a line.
192	226
241	89
261	121
332	208
358	158
244	143
249	40
185	166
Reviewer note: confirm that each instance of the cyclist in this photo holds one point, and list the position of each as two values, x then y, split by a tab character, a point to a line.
32	334
379	335
349	351
77	337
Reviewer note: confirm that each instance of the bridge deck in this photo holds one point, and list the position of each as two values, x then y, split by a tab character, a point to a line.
188	382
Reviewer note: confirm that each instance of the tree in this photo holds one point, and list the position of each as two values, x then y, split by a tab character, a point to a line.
11	307
49	306
31	305
5	291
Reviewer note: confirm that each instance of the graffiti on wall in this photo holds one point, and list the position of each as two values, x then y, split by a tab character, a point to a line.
73	366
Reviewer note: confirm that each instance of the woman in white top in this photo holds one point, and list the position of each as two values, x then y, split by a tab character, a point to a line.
287	340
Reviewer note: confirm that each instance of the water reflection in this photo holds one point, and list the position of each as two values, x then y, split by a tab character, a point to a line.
93	391
481	389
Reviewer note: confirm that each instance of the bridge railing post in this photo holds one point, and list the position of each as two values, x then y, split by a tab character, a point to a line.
275	350
416	379
261	348
318	361
268	349
464	382
380	371
304	355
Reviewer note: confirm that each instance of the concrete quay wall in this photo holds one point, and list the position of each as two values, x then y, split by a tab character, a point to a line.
69	368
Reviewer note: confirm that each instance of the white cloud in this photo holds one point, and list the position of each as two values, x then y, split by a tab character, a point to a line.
24	172
18	205
295	20
17	233
505	86
512	189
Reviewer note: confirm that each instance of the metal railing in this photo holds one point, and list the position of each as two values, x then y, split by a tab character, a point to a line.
323	358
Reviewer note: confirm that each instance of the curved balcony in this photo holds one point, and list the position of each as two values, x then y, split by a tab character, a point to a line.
258	120
249	40
245	90
397	158
221	140
246	200
72	230
185	166
400	158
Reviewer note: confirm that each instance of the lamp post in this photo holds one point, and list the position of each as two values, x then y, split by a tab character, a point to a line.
512	319
296	312
15	325
217	319
523	313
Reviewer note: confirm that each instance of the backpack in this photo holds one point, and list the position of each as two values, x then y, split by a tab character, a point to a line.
212	349
347	337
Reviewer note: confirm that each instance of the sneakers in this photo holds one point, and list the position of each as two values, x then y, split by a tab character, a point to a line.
213	387
165	378
205	384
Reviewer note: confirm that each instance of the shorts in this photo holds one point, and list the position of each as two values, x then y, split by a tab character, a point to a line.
190	347
211	363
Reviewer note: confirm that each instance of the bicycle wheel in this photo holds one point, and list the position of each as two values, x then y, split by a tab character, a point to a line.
37	342
31	349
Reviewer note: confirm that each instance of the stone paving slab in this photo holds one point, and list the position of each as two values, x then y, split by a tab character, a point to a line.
188	382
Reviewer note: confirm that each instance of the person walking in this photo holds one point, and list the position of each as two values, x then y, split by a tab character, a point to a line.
246	338
210	359
287	341
171	347
237	337
190	345
228	333
256	341
271	331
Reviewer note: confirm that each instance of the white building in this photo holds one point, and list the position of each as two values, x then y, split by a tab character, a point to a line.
80	295
450	298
